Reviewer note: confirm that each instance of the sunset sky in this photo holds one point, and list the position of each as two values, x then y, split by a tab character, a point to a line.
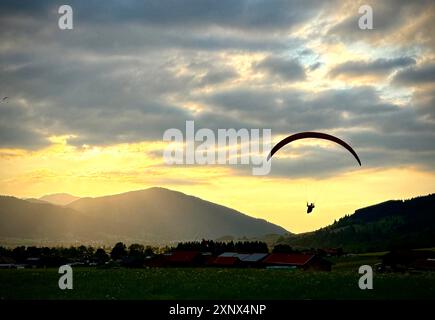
87	108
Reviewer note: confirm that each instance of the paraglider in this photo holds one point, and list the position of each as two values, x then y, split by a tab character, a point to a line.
316	135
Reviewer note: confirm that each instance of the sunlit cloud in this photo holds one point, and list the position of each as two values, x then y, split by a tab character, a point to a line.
87	110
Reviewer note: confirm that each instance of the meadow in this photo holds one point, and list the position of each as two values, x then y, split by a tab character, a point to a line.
218	283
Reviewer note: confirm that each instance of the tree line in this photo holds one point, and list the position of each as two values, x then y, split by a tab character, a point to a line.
54	256
132	255
217	247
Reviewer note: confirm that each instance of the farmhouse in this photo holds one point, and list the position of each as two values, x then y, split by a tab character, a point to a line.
225	262
184	259
155	261
246	259
299	260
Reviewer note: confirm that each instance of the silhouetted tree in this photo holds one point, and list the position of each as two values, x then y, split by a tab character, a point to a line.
136	250
5	252
149	251
220	247
19	254
118	251
101	256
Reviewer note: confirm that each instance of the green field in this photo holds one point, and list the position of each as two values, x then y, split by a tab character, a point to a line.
212	283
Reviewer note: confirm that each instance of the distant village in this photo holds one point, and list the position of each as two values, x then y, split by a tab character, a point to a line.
206	253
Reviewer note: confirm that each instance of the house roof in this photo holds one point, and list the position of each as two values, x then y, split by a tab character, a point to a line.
254	257
296	259
247	257
225	261
228	254
182	256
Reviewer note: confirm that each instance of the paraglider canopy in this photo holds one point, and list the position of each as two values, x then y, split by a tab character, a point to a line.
316	135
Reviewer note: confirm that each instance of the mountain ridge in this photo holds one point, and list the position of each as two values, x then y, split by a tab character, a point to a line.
149	215
161	203
61	199
159	215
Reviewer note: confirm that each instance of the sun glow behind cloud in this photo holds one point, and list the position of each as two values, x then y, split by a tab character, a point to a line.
87	109
97	171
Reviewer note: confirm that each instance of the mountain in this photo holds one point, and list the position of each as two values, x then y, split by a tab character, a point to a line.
21	219
60	199
162	214
395	223
154	215
34	200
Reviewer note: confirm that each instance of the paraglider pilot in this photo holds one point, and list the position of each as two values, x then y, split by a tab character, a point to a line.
310	207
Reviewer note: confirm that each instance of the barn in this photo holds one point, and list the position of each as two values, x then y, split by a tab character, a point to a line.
225	262
246	259
184	259
299	260
155	261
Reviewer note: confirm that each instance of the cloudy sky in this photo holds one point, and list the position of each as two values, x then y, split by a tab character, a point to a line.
87	108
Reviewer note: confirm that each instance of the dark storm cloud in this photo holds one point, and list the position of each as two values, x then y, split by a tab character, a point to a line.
424	74
286	69
376	67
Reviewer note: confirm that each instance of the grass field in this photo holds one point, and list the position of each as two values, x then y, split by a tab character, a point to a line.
212	283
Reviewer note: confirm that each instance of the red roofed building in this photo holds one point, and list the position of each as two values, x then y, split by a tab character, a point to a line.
184	258
155	261
300	260
246	259
225	262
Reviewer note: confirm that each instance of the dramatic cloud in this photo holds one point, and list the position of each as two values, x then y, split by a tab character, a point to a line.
424	74
376	67
245	15
130	70
286	69
397	22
